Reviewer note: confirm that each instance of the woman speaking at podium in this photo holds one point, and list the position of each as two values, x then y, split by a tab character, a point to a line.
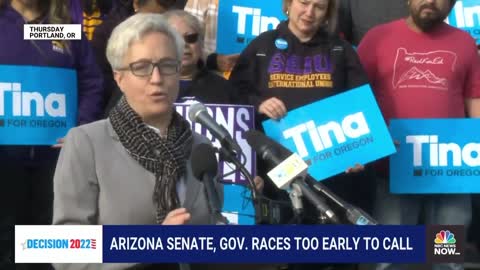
133	168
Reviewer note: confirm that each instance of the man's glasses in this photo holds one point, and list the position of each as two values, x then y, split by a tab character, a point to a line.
190	38
144	68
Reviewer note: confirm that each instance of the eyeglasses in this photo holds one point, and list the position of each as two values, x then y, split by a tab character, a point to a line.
144	68
191	38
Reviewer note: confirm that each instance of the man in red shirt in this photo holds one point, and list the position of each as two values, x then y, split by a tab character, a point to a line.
420	67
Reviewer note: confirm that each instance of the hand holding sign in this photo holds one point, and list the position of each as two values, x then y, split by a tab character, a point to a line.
335	133
273	108
356	169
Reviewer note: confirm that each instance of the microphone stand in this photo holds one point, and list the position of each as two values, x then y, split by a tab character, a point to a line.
325	215
217	217
231	157
353	214
295	195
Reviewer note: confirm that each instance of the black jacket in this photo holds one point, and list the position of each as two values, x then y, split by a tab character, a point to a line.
208	87
266	70
357	17
99	44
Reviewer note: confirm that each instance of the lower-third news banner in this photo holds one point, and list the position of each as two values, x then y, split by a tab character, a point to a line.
238	244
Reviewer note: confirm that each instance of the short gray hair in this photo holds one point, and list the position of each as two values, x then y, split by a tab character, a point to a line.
189	19
134	29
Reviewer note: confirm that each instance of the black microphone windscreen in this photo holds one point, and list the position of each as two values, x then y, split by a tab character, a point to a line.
256	140
194	110
204	161
265	146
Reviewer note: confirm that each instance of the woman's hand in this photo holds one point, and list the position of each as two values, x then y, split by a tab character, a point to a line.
273	108
178	216
357	168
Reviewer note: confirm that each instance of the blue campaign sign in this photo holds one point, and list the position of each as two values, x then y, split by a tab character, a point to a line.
265	244
237	119
238	205
434	157
38	104
240	21
334	134
466	15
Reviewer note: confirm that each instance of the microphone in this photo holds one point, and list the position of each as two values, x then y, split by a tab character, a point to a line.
354	214
274	152
358	217
290	170
296	198
198	113
205	168
230	149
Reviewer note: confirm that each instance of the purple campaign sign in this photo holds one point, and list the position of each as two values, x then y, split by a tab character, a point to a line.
237	119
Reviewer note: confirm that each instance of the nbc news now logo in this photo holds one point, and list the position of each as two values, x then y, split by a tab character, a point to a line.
445	243
447	247
59	244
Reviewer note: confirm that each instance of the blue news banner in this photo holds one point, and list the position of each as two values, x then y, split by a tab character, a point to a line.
264	244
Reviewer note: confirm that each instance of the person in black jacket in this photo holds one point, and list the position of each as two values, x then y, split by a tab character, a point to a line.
196	81
300	62
180	4
356	18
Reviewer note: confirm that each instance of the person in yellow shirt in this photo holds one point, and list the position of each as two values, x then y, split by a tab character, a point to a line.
94	12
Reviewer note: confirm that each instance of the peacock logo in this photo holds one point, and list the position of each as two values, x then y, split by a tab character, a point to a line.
445	237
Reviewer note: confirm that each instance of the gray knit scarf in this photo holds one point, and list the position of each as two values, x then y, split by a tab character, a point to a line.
165	158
